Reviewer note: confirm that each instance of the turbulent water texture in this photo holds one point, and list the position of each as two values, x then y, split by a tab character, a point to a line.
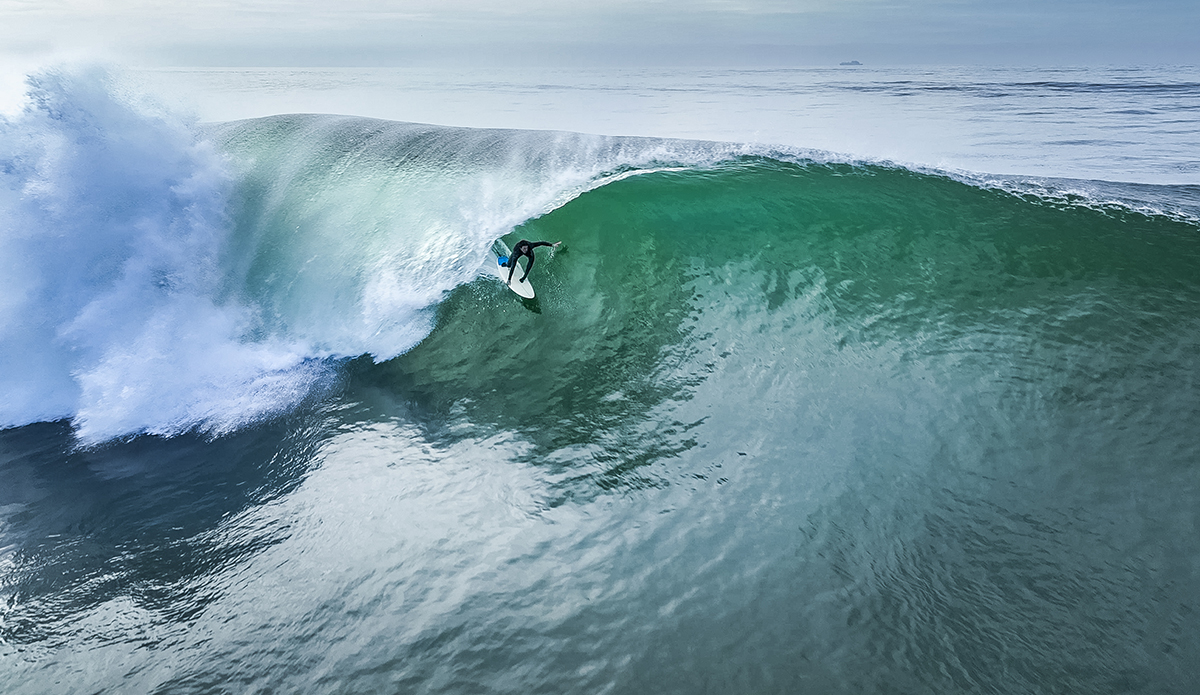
113	222
154	284
773	424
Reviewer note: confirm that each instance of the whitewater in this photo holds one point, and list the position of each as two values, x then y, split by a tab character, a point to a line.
864	380
165	295
178	290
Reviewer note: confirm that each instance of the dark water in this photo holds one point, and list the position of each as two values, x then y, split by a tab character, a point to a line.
772	425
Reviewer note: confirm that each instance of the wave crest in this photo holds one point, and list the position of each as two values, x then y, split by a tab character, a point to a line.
157	276
113	222
160	276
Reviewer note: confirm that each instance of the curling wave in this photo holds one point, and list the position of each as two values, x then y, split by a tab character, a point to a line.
160	276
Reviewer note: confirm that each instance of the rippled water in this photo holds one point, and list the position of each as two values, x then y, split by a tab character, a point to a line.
778	420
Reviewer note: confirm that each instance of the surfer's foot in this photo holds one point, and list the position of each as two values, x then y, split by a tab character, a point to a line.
522	279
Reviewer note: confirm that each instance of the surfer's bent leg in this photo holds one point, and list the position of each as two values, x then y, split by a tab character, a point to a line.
528	267
512	265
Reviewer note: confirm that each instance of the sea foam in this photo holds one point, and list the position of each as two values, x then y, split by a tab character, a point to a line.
160	276
113	219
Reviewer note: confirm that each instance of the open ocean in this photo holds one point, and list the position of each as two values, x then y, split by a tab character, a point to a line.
844	380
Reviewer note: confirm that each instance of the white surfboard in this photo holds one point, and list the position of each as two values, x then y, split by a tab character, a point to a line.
522	288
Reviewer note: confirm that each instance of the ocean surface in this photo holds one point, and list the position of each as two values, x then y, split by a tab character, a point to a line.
843	380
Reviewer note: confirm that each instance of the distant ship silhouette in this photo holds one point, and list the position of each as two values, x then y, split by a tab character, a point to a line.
850	62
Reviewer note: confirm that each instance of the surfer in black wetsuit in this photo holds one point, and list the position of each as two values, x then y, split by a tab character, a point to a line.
525	247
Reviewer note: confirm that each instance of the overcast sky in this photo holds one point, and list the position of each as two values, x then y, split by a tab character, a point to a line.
602	32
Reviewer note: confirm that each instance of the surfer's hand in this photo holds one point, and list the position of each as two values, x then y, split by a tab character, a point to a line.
555	244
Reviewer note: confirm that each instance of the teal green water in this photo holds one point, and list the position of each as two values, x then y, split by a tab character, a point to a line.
772	425
754	273
898	434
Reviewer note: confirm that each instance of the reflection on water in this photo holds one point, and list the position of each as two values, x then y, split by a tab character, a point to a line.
137	522
904	435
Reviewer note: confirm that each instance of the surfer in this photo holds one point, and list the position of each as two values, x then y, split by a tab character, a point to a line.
525	247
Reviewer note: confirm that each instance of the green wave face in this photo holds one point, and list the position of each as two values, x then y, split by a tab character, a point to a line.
820	312
914	435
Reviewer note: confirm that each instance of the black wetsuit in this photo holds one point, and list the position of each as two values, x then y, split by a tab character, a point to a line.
523	248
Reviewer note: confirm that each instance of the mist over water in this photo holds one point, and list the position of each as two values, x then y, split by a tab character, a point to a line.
114	219
778	420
